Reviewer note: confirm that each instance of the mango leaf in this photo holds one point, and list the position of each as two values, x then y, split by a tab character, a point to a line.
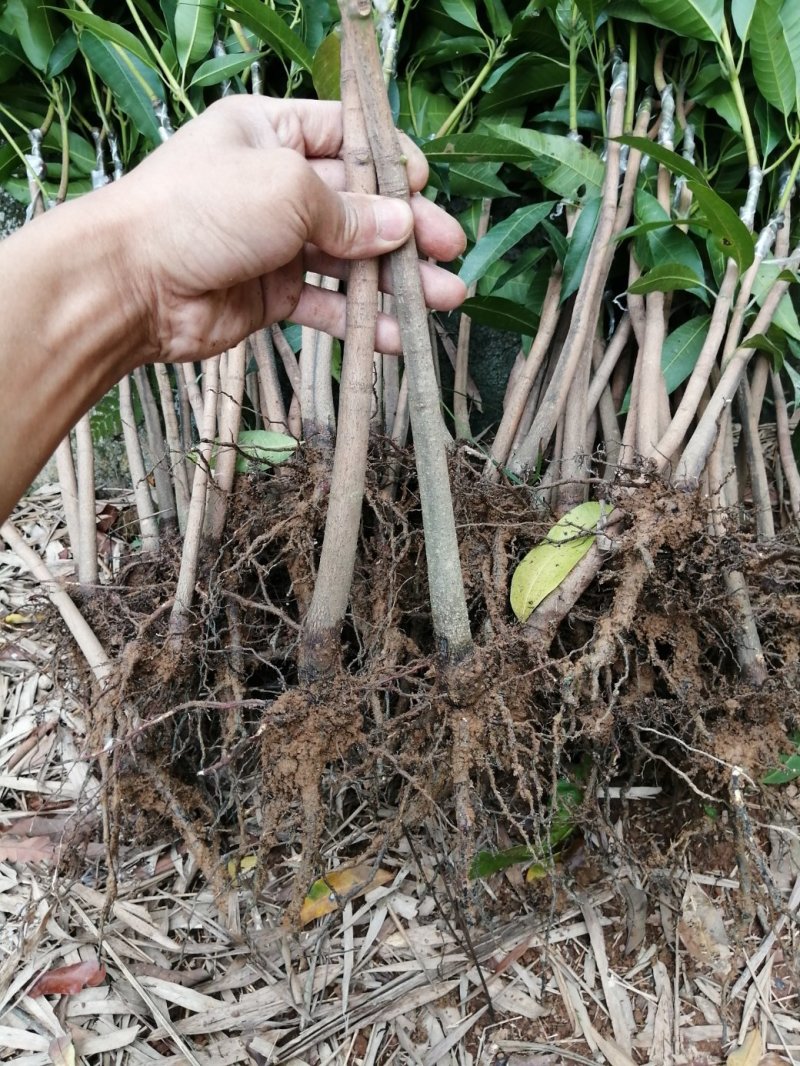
501	314
737	241
463	12
770	344
324	895
259	448
578	246
216	70
665	278
478	180
675	163
134	86
679	354
63	53
702	19
785	318
32	21
545	566
326	70
562	825
475	148
501	238
681	349
562	165
270	27
790	21
741	14
520	283
771	58
498	18
194	29
111	32
534	77
790	766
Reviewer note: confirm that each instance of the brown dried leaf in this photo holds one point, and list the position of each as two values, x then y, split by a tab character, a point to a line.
26	849
772	1058
67	980
702	931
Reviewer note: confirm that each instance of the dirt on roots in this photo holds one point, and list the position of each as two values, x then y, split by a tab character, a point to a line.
221	744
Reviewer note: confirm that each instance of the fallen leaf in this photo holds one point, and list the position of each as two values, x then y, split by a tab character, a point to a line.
67	980
773	1059
749	1053
702	931
26	849
324	895
16	619
62	1051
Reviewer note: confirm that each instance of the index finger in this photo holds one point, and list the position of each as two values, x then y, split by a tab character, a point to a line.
311	127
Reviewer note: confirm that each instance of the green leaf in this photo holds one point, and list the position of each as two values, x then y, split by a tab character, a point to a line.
661	244
545	566
63	53
771	58
530	77
702	19
562	165
326	70
487	863
679	354
260	448
741	14
790	21
498	18
110	31
593	11
675	163
578	246
478	180
789	773
501	314
194	29
134	86
463	12
475	148
32	21
271	28
563	823
665	278
218	69
501	238
785	318
681	349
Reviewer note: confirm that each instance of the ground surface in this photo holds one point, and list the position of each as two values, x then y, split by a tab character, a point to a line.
662	930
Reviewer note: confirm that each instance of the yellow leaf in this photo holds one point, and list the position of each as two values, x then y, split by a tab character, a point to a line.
62	1051
324	895
545	566
15	619
241	866
749	1053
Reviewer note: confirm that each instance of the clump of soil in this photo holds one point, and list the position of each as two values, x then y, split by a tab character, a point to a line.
640	685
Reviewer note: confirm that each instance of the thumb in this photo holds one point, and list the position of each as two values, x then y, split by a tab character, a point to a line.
357	226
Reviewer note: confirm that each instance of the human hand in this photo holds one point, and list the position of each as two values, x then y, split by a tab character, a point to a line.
228	215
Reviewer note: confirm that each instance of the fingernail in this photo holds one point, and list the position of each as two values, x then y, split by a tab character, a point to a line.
394	219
